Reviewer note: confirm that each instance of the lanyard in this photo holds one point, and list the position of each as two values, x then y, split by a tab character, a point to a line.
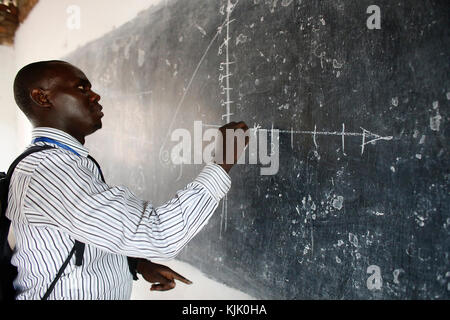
45	139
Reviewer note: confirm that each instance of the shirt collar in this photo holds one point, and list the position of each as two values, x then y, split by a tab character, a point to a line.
60	136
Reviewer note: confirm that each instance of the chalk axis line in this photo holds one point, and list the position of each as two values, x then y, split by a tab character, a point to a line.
365	134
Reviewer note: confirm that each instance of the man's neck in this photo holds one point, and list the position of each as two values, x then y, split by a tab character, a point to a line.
81	139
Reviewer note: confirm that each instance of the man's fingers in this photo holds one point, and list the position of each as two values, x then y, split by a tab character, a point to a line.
229	125
163	286
167	281
181	278
157	278
236	125
242	125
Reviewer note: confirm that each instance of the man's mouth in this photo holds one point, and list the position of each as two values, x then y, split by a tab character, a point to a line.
98	109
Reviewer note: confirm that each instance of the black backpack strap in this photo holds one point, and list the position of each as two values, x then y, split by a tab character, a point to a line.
5	222
79	252
13	166
60	272
132	266
98	167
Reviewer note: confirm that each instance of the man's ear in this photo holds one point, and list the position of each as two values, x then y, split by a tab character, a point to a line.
40	97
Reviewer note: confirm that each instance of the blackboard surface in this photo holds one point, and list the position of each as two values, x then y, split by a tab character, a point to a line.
359	207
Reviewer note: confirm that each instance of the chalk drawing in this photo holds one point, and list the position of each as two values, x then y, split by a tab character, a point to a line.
435	121
338	202
286	3
353	239
396	274
394	101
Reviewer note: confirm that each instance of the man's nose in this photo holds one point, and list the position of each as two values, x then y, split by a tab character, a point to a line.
95	97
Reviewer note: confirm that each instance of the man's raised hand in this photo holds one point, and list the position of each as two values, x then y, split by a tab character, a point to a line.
231	141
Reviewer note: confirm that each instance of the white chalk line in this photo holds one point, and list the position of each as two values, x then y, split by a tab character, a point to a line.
326	133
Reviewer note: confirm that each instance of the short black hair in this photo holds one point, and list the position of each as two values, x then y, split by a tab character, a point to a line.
28	78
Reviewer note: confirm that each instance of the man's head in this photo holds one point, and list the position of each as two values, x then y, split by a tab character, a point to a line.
57	94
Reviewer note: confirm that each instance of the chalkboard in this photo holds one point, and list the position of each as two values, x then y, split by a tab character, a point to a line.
355	98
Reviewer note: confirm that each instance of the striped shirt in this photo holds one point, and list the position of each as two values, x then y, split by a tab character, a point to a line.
57	197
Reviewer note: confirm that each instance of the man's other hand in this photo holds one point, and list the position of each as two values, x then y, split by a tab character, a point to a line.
161	277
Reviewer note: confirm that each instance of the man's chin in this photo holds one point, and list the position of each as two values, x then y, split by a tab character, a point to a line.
95	127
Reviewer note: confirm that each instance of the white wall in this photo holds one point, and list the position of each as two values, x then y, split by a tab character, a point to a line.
8	115
44	36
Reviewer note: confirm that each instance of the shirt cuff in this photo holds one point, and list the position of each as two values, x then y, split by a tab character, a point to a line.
215	179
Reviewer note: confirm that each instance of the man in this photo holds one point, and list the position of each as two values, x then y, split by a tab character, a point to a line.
57	197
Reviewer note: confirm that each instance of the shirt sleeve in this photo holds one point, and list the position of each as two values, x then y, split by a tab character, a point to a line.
65	194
